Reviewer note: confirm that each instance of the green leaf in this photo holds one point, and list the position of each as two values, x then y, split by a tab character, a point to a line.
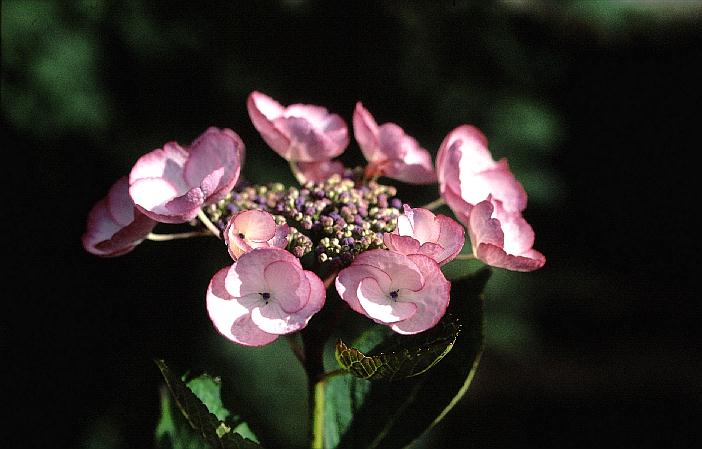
401	356
363	415
204	417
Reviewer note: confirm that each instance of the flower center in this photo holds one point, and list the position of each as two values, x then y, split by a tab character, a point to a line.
393	294
242	237
266	297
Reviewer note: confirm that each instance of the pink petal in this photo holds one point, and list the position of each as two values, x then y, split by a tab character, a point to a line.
100	227
256	225
415	168
288	285
119	204
166	163
318	171
280	239
274	318
400	270
419	231
484	229
306	144
350	277
390	151
262	111
247	276
496	257
214	163
230	318
393	143
379	306
258	229
470	145
151	196
113	226
403	244
316	299
365	130
504	246
467	173
171	184
305	133
181	208
451	239
431	300
498	182
420	223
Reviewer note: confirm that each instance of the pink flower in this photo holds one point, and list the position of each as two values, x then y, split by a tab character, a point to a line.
299	132
114	226
264	294
502	239
419	231
467	173
251	229
390	152
318	171
171	184
408	293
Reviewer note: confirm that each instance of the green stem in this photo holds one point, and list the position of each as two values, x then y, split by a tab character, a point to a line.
434	204
317	404
208	224
314	338
465	257
182	235
297	173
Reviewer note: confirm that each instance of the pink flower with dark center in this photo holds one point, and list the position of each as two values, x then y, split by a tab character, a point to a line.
171	184
390	152
419	231
502	239
467	173
114	226
251	229
299	132
264	294
408	293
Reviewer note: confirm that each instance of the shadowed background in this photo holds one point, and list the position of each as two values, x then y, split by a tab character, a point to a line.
595	104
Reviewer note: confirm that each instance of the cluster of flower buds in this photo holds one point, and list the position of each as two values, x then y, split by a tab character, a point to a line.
338	218
383	256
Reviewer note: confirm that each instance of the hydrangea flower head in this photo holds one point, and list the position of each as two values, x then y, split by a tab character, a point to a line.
408	293
502	238
419	231
299	132
172	183
390	152
114	225
467	173
264	294
251	229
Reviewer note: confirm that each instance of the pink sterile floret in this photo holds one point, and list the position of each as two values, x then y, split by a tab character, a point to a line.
299	132
171	184
502	239
318	171
467	173
408	293
264	294
419	231
114	226
390	152
251	229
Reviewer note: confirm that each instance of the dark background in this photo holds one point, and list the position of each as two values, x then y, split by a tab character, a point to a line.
595	104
